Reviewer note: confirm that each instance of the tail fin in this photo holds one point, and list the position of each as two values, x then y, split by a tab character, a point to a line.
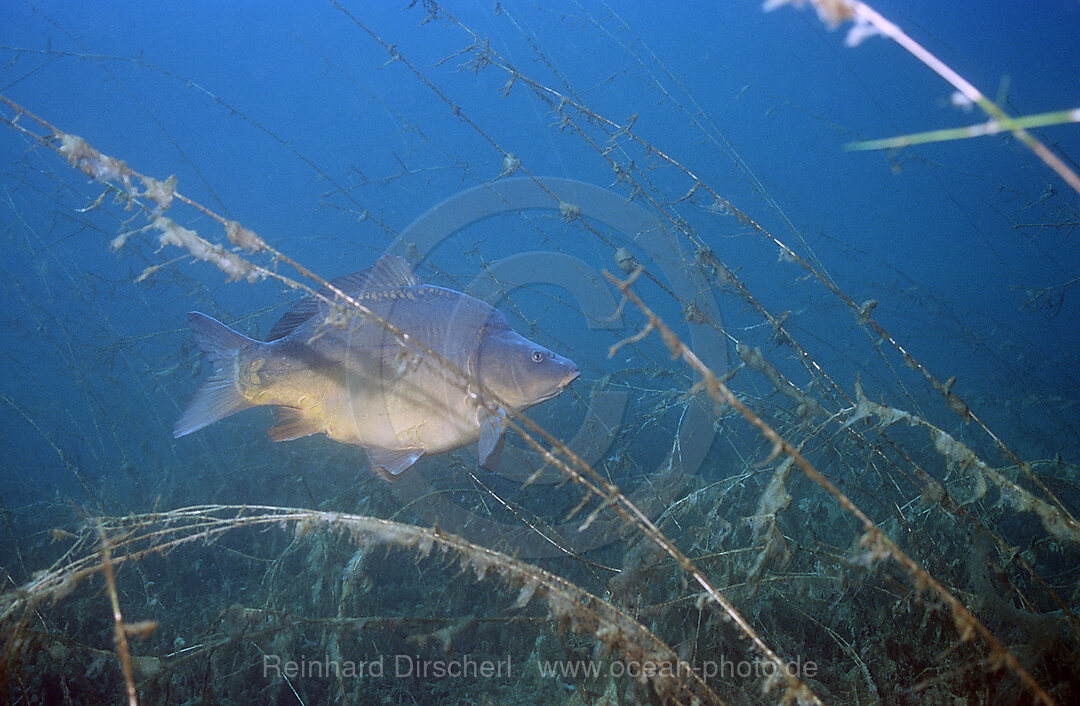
218	396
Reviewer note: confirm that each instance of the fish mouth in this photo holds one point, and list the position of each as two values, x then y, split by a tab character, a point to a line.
563	384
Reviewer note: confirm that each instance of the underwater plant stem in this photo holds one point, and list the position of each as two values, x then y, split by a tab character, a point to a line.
893	32
868	14
141	535
557	102
991	127
878	545
118	619
89	160
68	462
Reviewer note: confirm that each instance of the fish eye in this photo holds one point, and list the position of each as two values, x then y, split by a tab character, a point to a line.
538	356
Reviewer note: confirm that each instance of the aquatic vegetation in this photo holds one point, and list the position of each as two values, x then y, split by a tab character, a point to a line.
789	472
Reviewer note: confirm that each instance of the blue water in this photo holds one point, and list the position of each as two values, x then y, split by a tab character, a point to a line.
266	112
291	119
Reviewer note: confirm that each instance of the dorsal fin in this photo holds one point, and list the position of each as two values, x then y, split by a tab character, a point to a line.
388	272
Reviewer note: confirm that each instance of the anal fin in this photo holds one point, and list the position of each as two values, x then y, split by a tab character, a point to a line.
292	423
392	462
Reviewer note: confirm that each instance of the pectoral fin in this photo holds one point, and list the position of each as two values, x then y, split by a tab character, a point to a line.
392	462
489	448
292	424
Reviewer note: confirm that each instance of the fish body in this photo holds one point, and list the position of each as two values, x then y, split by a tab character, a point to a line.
356	382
